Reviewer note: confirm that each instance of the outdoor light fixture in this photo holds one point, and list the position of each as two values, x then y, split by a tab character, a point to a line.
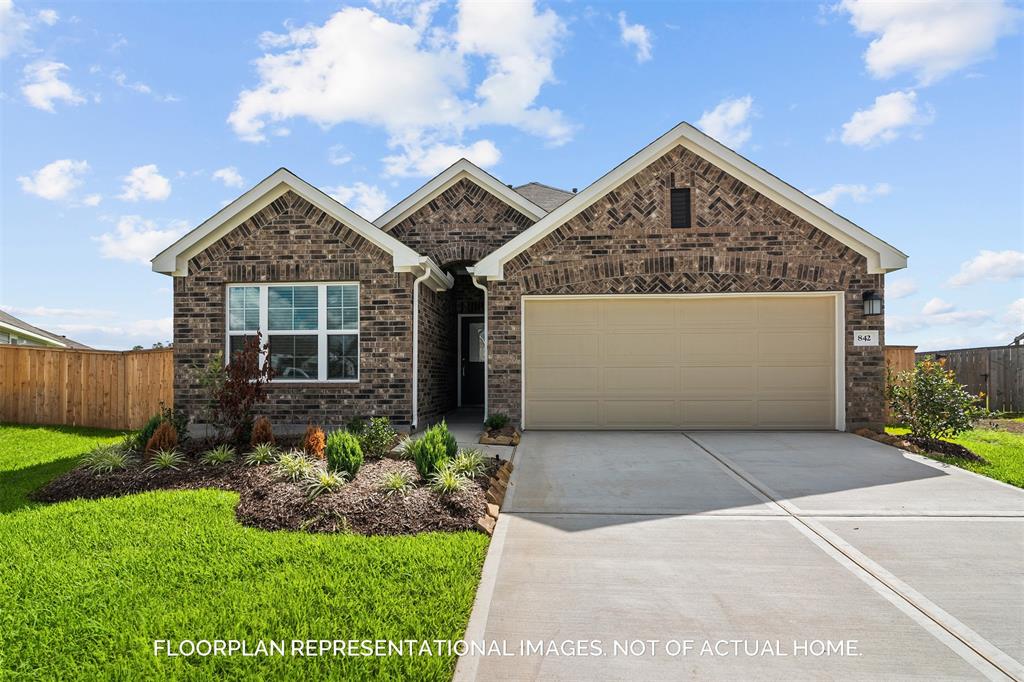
872	303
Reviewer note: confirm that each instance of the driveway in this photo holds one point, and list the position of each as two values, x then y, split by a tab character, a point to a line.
713	555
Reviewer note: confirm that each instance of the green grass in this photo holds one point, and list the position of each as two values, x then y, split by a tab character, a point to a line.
1004	452
87	586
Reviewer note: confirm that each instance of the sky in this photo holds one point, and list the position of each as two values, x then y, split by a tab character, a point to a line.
124	125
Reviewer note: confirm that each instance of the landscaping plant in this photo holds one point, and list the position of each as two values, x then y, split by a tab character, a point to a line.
446	481
313	442
468	463
294	466
164	438
397	483
344	453
321	482
930	402
377	437
222	454
264	453
243	387
356	425
166	415
496	421
432	451
262	433
105	458
165	459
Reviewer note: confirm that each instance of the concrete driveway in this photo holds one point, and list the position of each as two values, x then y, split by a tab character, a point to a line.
712	555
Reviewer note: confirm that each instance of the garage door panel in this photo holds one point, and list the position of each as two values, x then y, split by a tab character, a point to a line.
704	363
640	414
656	381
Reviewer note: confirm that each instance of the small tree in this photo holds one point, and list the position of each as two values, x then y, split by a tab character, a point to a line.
243	387
930	402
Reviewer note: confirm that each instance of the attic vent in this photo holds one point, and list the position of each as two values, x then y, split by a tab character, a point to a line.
680	207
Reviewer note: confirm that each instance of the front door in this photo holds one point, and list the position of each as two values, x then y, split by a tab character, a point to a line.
471	360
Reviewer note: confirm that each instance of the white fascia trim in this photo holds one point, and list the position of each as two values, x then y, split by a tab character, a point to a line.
32	335
882	257
448	177
174	259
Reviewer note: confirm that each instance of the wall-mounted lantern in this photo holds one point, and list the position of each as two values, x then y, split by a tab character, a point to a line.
872	303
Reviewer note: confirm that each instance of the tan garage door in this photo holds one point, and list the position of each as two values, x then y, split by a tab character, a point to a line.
765	362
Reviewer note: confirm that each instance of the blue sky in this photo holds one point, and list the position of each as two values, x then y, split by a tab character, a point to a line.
125	124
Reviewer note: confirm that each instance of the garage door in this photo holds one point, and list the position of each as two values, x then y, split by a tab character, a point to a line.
765	362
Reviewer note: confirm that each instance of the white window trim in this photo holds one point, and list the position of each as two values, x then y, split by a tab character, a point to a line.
321	332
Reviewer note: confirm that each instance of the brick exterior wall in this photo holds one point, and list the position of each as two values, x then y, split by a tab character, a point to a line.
292	241
741	242
438	364
461	225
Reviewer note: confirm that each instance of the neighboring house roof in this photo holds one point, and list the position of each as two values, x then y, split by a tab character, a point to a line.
881	256
448	177
174	259
547	197
11	323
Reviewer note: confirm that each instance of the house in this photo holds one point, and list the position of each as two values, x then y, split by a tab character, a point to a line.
685	288
20	333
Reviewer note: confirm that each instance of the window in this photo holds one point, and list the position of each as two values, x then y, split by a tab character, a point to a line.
680	207
312	330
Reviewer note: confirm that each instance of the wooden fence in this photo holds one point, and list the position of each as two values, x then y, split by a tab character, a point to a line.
898	359
108	389
998	371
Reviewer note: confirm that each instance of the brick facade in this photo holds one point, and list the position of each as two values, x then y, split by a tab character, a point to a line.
741	242
292	241
461	225
438	363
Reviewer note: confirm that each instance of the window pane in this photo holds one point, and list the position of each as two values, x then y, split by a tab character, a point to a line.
343	307
252	297
342	356
334	319
351	319
236	342
243	308
293	308
280	319
476	341
305	318
280	297
342	295
304	297
252	318
236	320
294	357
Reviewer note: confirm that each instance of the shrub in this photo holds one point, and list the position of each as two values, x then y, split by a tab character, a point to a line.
468	463
432	451
104	459
165	459
146	432
164	438
294	465
930	402
446	481
406	448
264	453
235	392
343	453
321	482
262	433
496	420
222	454
377	437
313	442
397	483
356	426
166	415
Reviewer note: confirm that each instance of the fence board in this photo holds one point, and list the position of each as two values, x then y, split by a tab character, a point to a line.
998	371
108	389
898	359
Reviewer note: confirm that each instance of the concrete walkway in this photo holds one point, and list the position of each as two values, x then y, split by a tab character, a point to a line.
649	556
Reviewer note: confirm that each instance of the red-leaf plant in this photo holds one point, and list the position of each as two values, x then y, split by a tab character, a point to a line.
243	388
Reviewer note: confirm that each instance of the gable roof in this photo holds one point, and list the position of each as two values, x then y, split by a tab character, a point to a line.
174	259
442	181
547	197
11	323
881	256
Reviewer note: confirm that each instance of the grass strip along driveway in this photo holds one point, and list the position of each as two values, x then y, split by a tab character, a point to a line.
1003	449
87	586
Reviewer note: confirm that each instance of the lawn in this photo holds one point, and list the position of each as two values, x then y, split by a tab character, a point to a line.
1003	450
87	586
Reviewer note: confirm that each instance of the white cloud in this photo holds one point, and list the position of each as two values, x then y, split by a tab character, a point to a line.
858	193
138	240
48	16
729	122
158	329
431	160
229	176
42	311
900	288
884	120
337	155
935	313
42	86
121	79
936	306
16	27
145	182
368	201
929	39
636	35
1000	266
92	199
329	74
1015	315
56	180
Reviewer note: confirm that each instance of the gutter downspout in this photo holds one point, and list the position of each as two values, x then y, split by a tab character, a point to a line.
487	343
416	347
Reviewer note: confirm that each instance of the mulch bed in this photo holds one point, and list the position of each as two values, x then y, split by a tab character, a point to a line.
945	448
272	503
